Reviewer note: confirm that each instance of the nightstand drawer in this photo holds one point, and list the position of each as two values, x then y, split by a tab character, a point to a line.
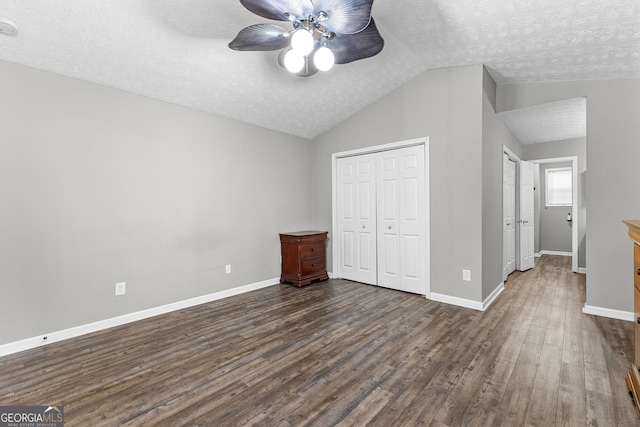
312	250
313	265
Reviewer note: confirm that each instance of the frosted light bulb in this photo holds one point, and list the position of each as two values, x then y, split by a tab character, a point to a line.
293	61
302	41
323	59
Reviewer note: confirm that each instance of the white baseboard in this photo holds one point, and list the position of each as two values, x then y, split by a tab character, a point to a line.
460	302
467	303
555	253
75	331
537	254
582	270
607	312
492	297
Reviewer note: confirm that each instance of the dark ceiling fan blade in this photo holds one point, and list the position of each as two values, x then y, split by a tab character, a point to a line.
344	16
352	47
261	37
276	9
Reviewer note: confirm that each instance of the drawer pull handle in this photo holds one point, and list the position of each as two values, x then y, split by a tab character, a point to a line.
312	249
638	320
313	265
638	272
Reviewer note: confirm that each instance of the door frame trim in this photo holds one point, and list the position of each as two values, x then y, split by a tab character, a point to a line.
334	202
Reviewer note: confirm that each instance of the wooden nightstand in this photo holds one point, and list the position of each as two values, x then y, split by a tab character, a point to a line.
303	257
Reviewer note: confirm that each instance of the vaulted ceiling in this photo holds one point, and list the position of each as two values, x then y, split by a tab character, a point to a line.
176	51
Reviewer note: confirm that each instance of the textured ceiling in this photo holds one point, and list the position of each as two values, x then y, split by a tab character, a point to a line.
176	51
554	121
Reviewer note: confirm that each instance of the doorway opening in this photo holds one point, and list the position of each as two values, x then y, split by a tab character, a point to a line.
521	213
570	215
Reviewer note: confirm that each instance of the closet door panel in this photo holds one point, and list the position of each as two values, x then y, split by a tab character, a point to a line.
348	250
412	219
366	252
389	262
357	218
411	262
388	209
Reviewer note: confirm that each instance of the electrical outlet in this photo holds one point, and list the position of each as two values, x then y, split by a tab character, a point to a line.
121	288
466	275
227	268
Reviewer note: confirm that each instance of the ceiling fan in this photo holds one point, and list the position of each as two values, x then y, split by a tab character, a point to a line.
325	32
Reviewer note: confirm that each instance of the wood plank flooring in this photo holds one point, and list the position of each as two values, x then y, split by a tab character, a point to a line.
347	354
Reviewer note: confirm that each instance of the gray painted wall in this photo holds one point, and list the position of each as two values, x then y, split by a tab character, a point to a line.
495	135
612	191
566	148
555	231
101	186
446	106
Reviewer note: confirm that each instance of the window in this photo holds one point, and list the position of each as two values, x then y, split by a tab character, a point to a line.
558	188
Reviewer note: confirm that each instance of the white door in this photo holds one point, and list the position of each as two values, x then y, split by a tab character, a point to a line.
357	218
401	211
508	216
525	222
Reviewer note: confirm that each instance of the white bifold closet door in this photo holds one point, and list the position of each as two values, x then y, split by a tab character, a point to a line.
382	217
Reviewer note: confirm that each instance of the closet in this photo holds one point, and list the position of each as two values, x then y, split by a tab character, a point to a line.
382	218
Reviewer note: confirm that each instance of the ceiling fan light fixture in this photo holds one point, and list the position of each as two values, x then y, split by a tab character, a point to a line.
325	32
293	61
302	41
323	59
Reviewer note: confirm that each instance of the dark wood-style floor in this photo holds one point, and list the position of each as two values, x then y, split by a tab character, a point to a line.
343	353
